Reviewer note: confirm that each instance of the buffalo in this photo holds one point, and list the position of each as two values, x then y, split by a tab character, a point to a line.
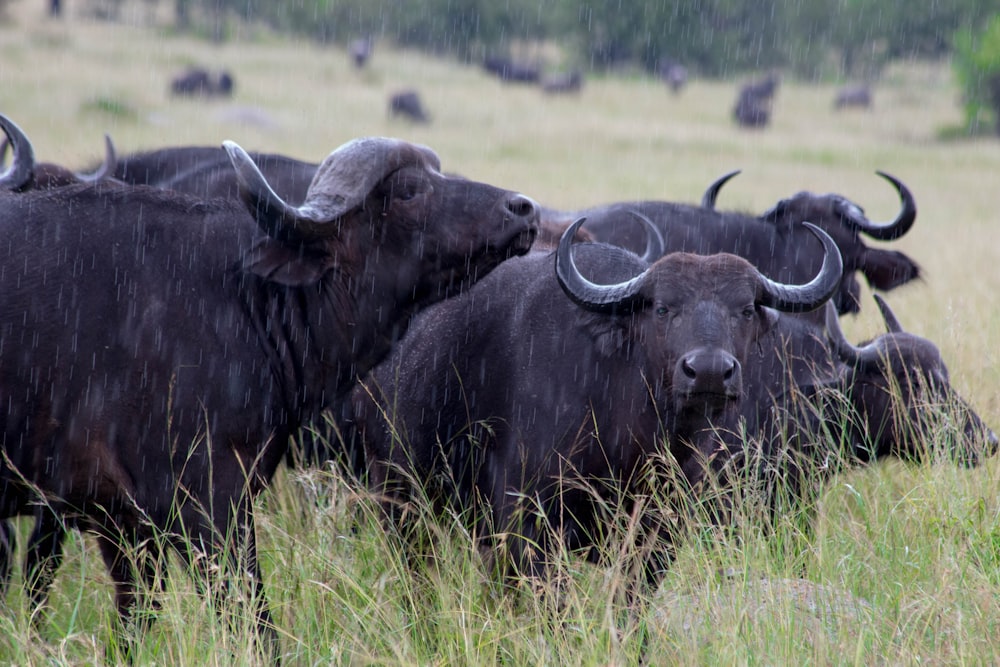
523	400
511	71
672	73
568	82
407	103
361	50
158	350
199	81
820	401
776	241
753	103
858	96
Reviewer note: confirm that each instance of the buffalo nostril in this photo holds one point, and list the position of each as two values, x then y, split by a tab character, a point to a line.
688	369
727	375
522	207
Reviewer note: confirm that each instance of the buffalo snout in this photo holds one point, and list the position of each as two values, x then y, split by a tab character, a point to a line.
710	374
520	206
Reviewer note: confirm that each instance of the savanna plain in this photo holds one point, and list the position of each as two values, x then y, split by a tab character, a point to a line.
895	563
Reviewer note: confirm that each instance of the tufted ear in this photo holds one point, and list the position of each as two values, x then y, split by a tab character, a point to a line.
286	264
886	269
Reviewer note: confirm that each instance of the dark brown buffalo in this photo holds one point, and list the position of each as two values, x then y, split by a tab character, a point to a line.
158	350
199	81
520	402
567	82
754	102
406	103
509	70
858	96
361	50
775	242
672	73
821	402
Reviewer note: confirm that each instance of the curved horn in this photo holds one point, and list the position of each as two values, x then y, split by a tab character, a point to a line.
582	291
106	168
890	230
708	199
843	348
340	184
892	324
655	245
22	164
274	216
812	295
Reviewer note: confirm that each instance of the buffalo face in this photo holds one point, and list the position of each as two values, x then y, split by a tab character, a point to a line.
698	316
846	222
902	394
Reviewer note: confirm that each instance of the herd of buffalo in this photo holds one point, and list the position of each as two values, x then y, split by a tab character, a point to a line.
172	319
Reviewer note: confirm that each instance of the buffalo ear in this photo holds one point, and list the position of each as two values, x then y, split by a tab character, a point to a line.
289	265
886	269
768	318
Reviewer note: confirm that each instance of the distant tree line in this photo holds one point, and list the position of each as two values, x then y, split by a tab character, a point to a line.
814	38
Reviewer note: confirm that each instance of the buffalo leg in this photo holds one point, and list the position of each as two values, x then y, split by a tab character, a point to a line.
237	553
43	557
6	553
119	553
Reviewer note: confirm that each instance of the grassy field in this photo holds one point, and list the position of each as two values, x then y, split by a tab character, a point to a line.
900	564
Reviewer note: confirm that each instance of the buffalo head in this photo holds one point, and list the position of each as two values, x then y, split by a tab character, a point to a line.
902	395
699	315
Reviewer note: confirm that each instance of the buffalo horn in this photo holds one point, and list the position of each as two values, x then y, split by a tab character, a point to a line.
890	230
846	351
655	245
812	295
106	168
22	164
708	199
892	324
340	184
582	291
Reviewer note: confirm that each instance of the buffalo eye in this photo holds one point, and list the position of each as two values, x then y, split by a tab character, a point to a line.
749	312
404	192
662	310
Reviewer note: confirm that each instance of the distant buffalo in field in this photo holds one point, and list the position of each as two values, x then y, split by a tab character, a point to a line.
198	81
407	103
753	104
567	82
858	96
361	51
673	74
511	71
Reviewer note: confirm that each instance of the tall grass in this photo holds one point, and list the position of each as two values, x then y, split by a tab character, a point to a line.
895	563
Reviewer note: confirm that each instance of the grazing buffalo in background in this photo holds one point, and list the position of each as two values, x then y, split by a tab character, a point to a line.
361	51
754	102
511	71
673	74
200	81
567	82
775	242
522	401
858	96
407	103
25	174
178	343
822	403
